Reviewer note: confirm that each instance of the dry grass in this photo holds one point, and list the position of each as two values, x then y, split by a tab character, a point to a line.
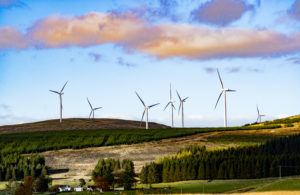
76	124
82	161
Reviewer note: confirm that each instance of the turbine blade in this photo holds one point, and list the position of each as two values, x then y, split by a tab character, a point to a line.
170	92
166	106
257	109
231	90
90	114
218	99
142	117
89	103
257	119
97	108
185	99
173	106
140	98
220	79
153	105
178	95
179	108
63	87
54	91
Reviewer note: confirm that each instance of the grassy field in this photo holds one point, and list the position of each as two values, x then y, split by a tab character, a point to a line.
292	184
196	186
203	186
241	140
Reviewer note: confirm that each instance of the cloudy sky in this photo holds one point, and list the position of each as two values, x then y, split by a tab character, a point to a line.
108	49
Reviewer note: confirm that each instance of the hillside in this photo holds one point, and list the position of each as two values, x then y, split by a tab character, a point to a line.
293	121
77	124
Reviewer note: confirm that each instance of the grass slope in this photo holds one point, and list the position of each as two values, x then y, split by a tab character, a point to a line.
76	124
30	142
292	184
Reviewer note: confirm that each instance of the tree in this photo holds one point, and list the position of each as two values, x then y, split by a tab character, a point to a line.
82	181
127	175
153	174
101	183
44	171
41	184
144	174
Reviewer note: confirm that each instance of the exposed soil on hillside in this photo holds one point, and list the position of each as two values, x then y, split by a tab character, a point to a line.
77	124
82	161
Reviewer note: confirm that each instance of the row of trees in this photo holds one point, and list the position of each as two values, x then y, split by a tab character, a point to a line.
112	172
16	167
195	162
29	185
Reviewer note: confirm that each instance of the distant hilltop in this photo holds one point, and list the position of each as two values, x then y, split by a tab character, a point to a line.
77	124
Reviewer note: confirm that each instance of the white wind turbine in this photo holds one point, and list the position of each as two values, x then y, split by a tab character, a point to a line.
181	106
259	115
60	98
92	109
171	103
146	108
223	91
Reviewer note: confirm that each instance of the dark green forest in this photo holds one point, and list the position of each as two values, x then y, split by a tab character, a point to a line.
32	142
16	167
260	161
112	172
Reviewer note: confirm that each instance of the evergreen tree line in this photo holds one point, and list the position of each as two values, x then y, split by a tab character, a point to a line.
113	172
195	162
16	167
32	142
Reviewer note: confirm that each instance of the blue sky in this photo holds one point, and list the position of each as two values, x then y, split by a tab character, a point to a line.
254	44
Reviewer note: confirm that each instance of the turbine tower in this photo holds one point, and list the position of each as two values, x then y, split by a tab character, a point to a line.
223	91
181	106
60	98
258	115
146	108
92	109
171	103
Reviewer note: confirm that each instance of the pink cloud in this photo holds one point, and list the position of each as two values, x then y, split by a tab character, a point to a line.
11	38
221	12
162	41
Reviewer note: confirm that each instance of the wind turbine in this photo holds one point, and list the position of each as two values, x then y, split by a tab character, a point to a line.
171	103
181	106
258	115
60	98
146	108
92	109
223	91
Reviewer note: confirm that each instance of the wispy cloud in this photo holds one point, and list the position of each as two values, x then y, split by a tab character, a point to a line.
221	12
209	70
294	11
11	3
95	56
162	40
122	62
233	69
294	60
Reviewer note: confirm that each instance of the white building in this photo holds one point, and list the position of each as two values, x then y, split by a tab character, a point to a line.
64	188
78	188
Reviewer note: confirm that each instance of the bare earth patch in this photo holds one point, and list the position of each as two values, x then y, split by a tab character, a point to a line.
81	162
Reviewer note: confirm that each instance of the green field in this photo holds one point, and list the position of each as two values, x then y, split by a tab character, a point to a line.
292	184
31	142
199	186
241	140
